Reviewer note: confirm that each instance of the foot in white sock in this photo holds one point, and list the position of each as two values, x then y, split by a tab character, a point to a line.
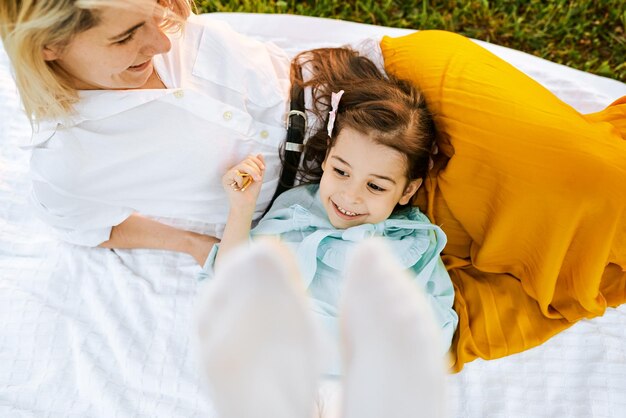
392	345
256	336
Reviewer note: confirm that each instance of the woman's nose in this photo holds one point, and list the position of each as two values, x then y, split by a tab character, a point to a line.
156	41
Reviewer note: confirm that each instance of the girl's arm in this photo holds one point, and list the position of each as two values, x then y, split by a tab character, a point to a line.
140	232
242	196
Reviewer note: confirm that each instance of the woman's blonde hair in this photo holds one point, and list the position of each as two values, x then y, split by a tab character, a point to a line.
28	26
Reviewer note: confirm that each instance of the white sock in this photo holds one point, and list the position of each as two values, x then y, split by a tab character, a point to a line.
257	337
392	347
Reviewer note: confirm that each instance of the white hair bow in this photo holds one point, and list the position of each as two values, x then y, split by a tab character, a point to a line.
334	105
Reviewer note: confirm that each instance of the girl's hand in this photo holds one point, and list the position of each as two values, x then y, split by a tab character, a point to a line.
242	182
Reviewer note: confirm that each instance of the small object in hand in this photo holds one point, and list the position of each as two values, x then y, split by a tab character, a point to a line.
247	179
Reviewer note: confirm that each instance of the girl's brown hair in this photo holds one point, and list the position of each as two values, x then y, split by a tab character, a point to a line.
392	112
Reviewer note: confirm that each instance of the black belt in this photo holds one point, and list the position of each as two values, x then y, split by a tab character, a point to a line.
296	128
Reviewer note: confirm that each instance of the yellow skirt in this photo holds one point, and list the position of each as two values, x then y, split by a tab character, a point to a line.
531	193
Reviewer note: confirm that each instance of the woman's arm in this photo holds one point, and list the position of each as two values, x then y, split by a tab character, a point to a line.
140	232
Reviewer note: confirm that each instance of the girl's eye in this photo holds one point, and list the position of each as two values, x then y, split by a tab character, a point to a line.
340	172
126	40
375	187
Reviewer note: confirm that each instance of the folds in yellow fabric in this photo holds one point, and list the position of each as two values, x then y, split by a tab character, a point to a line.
532	196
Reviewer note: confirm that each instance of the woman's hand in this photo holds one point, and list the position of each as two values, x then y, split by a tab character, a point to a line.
242	183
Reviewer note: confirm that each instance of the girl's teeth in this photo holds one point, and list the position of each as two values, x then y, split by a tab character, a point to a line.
345	212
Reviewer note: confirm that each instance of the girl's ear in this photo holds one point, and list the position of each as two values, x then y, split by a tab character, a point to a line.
409	191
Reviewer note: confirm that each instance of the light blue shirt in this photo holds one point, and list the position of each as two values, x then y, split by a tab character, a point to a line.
299	219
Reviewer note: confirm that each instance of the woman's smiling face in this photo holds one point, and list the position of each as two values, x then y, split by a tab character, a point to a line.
117	52
363	181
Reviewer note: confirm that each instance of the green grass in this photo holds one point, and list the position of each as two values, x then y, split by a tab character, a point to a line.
588	34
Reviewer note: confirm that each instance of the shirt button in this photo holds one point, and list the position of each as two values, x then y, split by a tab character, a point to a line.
179	94
228	115
264	134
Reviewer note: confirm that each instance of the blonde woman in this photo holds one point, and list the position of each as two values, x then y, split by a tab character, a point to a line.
138	109
134	117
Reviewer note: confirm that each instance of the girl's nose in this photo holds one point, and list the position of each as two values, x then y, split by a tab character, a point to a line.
352	193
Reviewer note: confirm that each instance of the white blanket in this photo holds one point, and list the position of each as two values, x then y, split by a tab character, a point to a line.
92	332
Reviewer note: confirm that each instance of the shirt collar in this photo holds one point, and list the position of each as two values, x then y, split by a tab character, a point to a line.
99	104
42	131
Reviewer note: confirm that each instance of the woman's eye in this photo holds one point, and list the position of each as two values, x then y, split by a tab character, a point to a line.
340	172
375	187
126	40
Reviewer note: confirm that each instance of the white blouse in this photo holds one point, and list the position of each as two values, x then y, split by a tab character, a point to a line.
162	153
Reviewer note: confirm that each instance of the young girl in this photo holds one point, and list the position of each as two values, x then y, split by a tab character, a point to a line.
369	159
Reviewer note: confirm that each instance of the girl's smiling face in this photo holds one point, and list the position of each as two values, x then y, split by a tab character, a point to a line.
363	181
117	52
